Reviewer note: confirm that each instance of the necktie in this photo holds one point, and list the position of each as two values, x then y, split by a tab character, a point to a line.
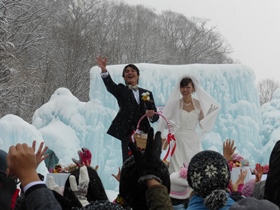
135	87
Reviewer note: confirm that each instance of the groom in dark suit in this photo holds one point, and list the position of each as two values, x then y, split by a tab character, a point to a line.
131	105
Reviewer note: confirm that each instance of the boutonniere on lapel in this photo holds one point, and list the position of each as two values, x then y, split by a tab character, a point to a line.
146	97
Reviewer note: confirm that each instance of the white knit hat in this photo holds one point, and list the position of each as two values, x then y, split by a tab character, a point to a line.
179	187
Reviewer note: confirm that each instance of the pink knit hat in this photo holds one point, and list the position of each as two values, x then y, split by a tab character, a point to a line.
179	187
248	188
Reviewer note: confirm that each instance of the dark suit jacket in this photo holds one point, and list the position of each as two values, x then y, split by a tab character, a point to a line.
129	111
38	197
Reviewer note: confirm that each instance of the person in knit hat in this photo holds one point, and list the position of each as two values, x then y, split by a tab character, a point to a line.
179	189
208	176
253	204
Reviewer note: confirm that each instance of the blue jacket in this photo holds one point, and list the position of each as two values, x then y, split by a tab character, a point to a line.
179	207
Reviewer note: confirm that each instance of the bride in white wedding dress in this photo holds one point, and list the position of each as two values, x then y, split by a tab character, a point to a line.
185	113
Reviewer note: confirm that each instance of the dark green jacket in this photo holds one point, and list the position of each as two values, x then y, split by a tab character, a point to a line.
158	198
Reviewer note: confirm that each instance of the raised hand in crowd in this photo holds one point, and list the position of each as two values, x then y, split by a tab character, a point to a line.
22	163
84	158
237	186
80	190
258	172
53	186
144	180
228	149
149	161
117	176
40	154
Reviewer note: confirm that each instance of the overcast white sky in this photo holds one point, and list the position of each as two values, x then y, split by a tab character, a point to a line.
252	27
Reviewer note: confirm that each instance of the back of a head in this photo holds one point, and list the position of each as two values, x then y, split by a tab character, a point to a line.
179	187
272	185
131	190
96	189
8	183
3	162
251	203
208	176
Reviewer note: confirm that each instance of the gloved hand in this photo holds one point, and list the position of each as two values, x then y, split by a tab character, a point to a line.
52	185
84	157
80	190
149	162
